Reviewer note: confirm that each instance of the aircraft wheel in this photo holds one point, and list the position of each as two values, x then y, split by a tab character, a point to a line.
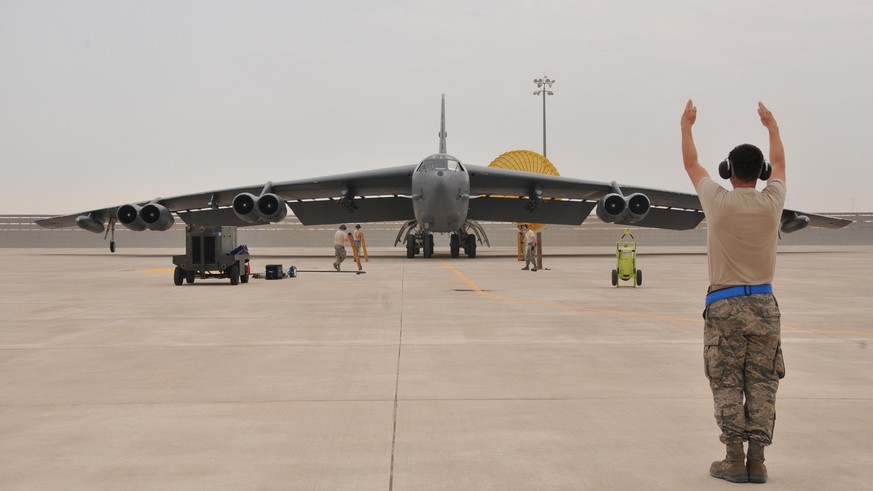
177	275
112	246
410	246
639	277
455	245
233	272
614	277
471	246
428	245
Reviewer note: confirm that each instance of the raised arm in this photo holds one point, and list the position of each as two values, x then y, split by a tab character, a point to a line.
777	152
696	172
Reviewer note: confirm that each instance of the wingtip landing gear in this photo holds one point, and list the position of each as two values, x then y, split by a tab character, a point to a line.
110	231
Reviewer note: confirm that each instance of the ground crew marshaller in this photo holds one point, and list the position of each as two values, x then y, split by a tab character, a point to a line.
530	248
742	347
339	247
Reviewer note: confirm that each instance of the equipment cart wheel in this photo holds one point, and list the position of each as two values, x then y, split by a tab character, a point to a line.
614	277
178	273
244	278
189	276
639	277
233	272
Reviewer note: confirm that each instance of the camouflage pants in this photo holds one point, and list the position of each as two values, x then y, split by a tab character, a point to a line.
530	254
340	252
743	362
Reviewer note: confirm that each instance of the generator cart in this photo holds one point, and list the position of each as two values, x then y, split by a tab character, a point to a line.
626	259
212	252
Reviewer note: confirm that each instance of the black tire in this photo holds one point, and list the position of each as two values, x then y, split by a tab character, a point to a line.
428	245
455	245
614	277
243	278
471	246
178	273
233	273
410	246
112	246
189	277
639	277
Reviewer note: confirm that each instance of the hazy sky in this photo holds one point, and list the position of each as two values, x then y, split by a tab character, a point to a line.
108	102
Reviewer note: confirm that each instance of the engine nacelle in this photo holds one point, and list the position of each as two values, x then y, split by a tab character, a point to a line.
792	222
637	207
156	217
271	207
252	209
89	223
611	208
128	215
245	207
616	208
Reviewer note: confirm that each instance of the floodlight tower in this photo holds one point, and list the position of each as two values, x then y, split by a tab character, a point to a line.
544	84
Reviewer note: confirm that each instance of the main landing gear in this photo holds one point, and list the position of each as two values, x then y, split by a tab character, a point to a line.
419	241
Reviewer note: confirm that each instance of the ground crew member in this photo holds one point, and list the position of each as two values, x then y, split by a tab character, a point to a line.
530	248
357	236
742	348
339	247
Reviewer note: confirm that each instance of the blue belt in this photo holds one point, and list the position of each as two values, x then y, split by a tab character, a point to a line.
736	291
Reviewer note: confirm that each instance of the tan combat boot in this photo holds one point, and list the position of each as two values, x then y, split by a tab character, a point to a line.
733	467
755	465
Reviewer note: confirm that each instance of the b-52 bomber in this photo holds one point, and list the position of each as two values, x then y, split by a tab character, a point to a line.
438	195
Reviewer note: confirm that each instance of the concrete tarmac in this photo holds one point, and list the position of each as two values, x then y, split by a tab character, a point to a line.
422	374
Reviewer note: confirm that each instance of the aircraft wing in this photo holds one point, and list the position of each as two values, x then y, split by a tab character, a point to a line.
566	200
504	195
313	201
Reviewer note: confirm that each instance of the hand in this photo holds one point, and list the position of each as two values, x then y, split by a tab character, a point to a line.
689	116
767	118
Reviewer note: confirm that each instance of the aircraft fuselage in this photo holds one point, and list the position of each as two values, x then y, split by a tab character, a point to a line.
440	193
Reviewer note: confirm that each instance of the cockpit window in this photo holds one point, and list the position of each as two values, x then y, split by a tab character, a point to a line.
440	162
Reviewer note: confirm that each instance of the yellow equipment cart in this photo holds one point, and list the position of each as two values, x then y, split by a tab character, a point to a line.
626	259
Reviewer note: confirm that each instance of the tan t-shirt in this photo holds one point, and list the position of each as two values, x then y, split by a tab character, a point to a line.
742	232
339	238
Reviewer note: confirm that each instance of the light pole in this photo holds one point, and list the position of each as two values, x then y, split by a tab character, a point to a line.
544	84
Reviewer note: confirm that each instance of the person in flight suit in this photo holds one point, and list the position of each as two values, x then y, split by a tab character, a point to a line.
742	345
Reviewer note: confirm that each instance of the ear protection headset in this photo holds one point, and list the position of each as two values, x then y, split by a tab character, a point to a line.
725	170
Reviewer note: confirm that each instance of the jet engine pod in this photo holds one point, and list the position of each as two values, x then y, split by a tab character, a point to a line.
156	217
244	205
128	215
637	207
611	208
271	207
89	223
792	222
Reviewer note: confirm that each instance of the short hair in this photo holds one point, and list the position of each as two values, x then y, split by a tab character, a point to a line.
746	161
342	227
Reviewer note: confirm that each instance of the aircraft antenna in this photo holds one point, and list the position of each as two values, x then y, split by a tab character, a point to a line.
443	125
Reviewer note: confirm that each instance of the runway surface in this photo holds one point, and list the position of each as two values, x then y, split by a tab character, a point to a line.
422	374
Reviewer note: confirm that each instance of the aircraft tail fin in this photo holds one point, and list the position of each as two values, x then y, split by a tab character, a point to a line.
443	126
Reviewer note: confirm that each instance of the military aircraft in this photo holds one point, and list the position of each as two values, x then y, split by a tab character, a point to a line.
438	195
